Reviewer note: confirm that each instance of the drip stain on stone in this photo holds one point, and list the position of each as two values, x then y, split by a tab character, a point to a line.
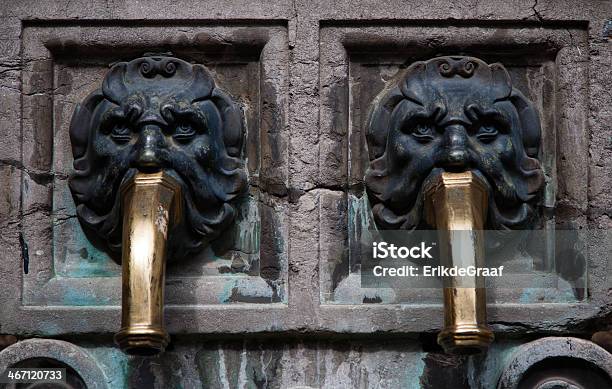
24	253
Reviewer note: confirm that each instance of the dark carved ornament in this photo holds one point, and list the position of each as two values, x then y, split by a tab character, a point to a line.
159	113
453	114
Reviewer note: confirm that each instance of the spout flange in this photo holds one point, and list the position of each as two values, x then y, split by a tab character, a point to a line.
465	339
142	340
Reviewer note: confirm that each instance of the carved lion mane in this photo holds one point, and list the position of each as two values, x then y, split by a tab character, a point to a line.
152	113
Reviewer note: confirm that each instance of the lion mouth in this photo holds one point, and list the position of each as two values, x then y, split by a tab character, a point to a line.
435	174
503	209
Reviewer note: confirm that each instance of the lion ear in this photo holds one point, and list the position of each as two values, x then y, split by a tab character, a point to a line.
530	123
413	86
233	125
501	83
80	126
378	122
113	86
201	86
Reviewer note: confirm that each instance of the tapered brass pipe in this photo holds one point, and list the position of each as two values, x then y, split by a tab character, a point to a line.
151	205
456	204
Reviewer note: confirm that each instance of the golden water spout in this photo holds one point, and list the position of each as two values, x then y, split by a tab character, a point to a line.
151	206
456	204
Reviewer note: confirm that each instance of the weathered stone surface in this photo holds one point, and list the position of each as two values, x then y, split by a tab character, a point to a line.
324	363
81	367
310	153
553	351
306	71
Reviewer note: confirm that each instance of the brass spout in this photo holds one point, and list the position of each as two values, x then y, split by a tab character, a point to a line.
151	205
456	204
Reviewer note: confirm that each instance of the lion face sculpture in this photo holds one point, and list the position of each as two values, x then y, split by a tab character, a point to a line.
158	113
453	114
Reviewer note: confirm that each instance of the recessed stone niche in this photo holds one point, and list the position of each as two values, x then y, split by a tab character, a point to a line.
63	64
357	63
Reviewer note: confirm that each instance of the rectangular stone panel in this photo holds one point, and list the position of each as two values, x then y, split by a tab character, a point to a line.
63	64
358	62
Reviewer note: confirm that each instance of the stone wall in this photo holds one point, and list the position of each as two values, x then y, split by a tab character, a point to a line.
286	308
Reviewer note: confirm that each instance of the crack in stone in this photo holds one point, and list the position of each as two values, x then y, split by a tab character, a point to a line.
40	177
536	13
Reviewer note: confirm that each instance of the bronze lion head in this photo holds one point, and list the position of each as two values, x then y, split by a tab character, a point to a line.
158	113
453	114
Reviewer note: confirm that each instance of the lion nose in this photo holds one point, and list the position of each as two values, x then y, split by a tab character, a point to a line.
149	144
456	157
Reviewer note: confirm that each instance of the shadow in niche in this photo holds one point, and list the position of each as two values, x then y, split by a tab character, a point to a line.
488	53
201	49
565	372
443	370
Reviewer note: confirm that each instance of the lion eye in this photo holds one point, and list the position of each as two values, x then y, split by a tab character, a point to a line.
487	133
423	132
184	132
121	133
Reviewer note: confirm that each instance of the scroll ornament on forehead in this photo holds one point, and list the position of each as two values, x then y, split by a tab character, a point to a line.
453	114
158	113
